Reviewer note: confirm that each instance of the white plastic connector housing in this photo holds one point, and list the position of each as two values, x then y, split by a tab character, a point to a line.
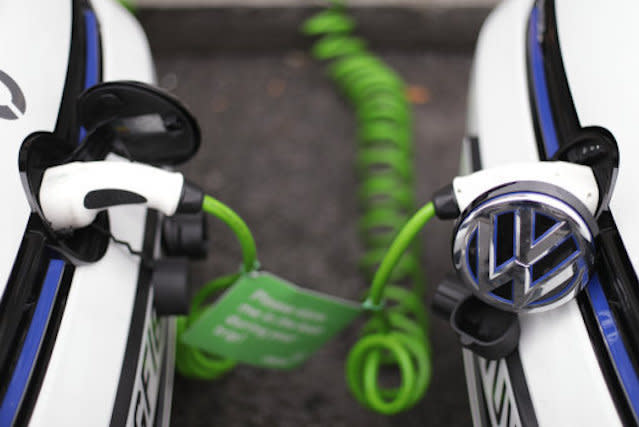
64	188
576	179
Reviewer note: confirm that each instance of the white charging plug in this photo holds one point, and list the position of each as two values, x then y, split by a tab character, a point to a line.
577	180
71	195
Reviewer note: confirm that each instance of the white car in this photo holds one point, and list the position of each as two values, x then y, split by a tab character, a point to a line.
557	80
82	340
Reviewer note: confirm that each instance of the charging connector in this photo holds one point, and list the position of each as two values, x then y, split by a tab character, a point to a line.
71	195
577	180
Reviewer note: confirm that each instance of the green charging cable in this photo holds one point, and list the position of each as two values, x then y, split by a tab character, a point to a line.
190	361
401	341
396	335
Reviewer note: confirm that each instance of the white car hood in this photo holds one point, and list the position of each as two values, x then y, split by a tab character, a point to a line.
599	42
34	53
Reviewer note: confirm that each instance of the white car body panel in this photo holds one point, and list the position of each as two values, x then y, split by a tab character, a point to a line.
598	41
499	111
82	377
37	61
564	380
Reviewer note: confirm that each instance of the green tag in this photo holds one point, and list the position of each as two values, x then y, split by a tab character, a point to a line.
266	321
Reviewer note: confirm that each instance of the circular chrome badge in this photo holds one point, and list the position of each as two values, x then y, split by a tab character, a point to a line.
524	251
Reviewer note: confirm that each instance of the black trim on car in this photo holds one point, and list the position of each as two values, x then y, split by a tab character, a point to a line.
532	100
66	128
136	331
18	302
23	288
605	364
618	278
517	380
475	156
520	389
567	124
484	416
46	348
162	403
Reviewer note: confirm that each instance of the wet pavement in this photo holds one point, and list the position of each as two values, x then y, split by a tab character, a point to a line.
278	146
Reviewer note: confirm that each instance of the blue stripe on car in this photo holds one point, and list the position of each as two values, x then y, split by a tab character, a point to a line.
92	63
614	344
544	111
605	320
31	346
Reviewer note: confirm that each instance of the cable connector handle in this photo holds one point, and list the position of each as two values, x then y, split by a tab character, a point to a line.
578	180
71	195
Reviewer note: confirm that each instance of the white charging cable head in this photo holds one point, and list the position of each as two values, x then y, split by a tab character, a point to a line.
71	195
576	179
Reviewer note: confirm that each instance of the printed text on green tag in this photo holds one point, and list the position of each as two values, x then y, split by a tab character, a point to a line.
266	321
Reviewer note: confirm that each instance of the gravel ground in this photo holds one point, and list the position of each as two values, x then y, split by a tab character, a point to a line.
278	146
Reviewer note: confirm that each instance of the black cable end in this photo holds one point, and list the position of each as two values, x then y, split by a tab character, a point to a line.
445	203
488	331
170	280
448	295
191	198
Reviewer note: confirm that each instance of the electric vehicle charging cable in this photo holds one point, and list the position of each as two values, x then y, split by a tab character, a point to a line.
398	334
189	360
71	196
393	336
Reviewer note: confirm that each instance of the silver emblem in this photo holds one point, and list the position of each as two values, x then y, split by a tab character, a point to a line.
524	251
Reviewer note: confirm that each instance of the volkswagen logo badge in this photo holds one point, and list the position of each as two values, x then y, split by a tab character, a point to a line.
524	251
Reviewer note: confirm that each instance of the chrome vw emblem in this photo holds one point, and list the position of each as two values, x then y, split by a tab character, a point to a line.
524	251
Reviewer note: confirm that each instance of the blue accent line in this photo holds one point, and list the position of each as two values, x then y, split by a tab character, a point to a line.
607	326
82	134
502	299
92	54
31	347
566	260
560	294
91	71
614	343
546	120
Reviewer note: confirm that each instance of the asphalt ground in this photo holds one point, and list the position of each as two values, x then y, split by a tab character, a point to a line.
278	146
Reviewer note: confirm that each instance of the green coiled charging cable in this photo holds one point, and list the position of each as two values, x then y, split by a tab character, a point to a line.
396	334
